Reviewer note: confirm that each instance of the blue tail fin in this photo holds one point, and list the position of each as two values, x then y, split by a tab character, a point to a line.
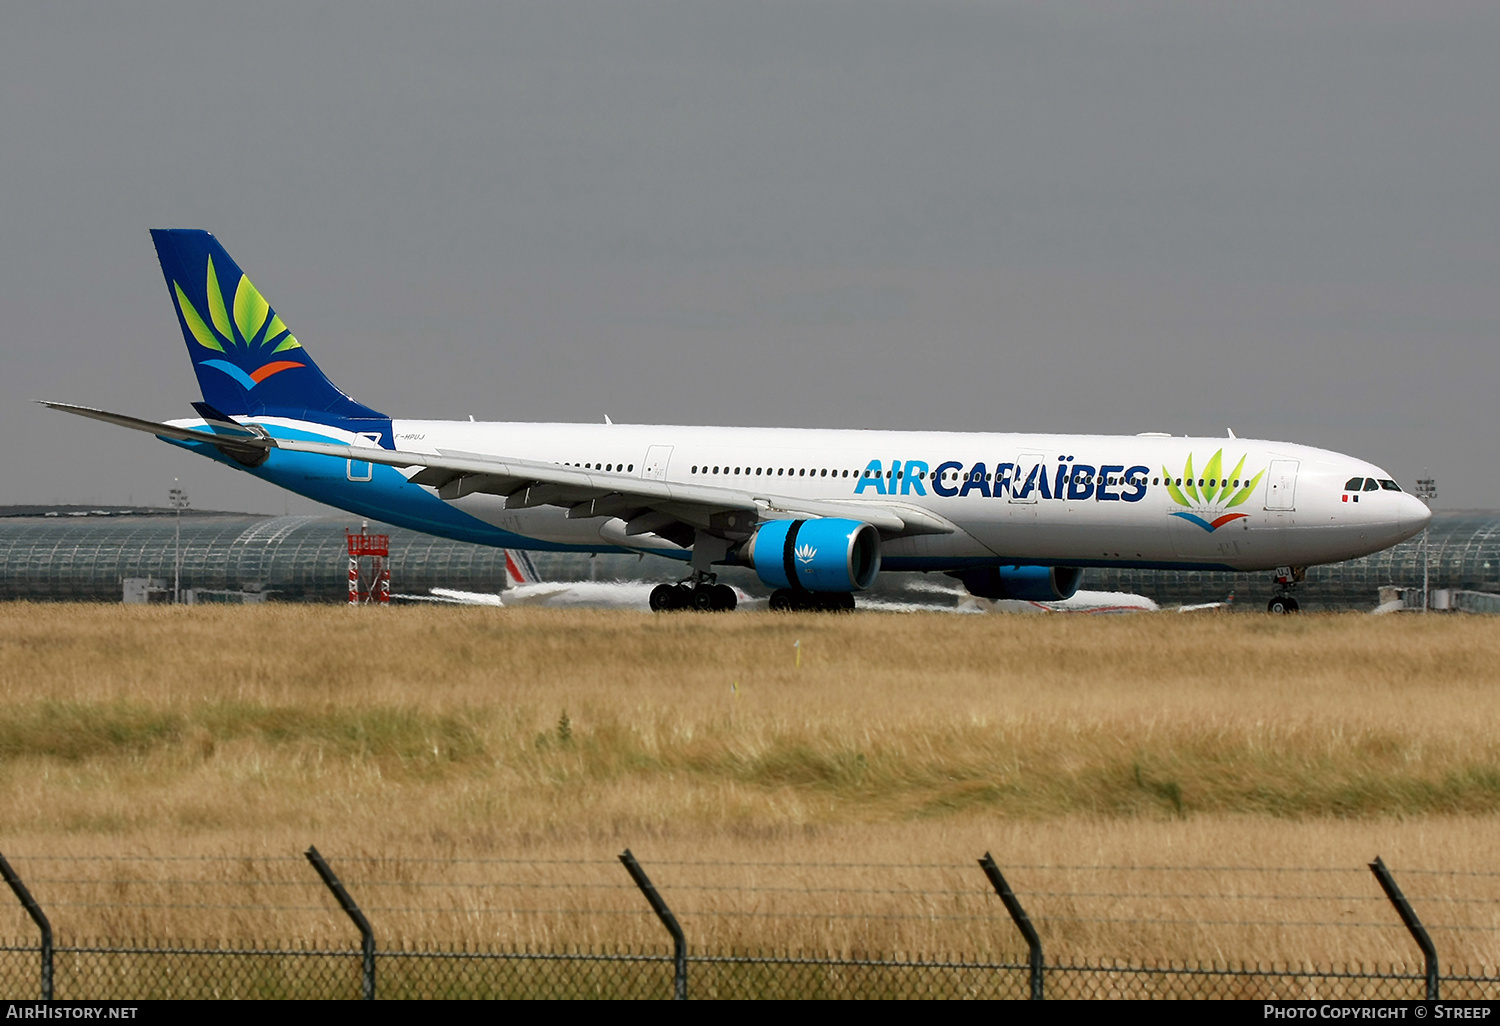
248	363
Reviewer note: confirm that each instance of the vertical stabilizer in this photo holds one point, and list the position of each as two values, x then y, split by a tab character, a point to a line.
519	568
248	362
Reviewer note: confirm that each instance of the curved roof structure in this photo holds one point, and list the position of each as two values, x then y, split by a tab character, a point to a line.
69	554
296	558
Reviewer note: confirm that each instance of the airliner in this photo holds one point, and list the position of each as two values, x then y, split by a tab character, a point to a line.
817	514
524	587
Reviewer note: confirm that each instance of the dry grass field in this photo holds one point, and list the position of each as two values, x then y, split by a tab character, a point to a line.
472	773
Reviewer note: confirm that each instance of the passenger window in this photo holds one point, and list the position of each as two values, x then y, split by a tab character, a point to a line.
1354	484
1389	486
802	473
1372	485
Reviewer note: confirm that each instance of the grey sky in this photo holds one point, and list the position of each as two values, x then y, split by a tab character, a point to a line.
1281	218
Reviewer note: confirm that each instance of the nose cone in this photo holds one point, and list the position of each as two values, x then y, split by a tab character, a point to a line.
1412	515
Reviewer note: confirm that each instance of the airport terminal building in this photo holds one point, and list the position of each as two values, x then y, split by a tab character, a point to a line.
87	554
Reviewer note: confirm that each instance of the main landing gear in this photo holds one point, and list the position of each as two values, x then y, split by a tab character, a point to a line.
1287	578
697	592
786	599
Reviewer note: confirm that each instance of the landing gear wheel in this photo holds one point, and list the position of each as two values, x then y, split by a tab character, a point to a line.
724	599
664	598
783	600
703	599
1282	604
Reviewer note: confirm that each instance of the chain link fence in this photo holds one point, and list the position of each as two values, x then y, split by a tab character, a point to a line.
348	963
144	972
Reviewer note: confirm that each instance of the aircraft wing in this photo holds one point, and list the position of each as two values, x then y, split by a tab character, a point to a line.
671	510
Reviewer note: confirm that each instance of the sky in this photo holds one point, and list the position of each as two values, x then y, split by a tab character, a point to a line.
1280	219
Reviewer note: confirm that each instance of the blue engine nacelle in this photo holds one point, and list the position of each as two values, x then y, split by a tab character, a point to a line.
829	554
1023	583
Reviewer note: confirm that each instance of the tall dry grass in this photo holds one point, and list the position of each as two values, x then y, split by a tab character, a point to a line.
536	744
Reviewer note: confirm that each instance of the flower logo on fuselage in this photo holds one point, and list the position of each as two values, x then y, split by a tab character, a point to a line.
1208	498
251	337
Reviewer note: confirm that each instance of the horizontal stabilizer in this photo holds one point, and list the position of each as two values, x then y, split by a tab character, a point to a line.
152	427
241	444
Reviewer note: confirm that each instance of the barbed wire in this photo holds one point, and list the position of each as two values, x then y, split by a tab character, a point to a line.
1254	922
768	864
313	883
158	858
625	887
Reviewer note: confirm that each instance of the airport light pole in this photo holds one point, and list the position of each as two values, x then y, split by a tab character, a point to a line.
1426	491
179	499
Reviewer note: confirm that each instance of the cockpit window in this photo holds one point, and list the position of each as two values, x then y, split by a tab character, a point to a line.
1354	484
1389	486
1371	485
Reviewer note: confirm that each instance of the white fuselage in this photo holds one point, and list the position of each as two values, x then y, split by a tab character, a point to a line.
1076	500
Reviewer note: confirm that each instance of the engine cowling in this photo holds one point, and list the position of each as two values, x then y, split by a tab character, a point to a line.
827	554
1023	583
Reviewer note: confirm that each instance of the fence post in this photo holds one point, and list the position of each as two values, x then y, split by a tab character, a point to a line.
1022	921
1413	924
366	935
679	942
38	917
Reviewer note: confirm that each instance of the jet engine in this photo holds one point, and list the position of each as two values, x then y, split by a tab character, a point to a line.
1022	583
829	554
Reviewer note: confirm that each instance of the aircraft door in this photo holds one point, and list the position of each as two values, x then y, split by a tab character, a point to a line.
1281	484
1028	470
362	470
655	466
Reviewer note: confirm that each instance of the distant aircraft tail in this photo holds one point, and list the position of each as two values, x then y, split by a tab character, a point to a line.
248	362
519	569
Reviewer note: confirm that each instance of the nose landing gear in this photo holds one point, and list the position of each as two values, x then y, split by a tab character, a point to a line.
1287	578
